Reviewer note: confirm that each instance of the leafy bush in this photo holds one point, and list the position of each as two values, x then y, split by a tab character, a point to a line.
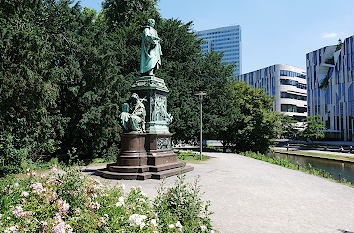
11	158
68	201
181	208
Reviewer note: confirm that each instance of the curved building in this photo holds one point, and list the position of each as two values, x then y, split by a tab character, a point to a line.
286	83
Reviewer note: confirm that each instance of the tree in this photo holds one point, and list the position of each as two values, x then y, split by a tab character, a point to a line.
314	127
221	106
288	126
254	125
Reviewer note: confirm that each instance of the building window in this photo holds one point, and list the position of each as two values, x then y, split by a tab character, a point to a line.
292	74
286	95
292	108
292	83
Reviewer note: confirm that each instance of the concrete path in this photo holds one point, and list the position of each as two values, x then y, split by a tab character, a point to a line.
249	195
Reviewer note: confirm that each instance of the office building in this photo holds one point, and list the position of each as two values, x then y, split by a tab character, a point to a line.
330	78
224	39
286	83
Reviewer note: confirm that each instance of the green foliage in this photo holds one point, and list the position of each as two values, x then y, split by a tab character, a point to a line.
314	128
248	122
120	12
65	71
10	157
221	106
181	72
71	202
181	208
288	126
190	155
339	45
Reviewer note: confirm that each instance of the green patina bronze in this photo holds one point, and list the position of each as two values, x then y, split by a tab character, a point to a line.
152	89
134	121
150	49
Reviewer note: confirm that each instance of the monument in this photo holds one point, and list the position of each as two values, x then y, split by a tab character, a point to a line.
146	150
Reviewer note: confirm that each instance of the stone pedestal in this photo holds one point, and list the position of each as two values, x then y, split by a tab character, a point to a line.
148	155
132	162
145	156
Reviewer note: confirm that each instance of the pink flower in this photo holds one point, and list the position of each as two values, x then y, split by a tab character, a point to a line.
62	206
24	194
54	169
45	227
51	195
37	188
30	173
61	227
16	185
18	212
93	205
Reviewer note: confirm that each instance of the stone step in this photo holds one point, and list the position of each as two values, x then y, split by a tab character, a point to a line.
123	176
171	172
162	159
128	169
167	166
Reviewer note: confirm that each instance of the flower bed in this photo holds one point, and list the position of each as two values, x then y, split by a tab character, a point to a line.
68	201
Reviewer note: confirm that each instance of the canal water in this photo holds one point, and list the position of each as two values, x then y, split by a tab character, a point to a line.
337	169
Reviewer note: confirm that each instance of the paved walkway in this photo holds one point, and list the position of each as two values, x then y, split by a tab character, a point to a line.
249	195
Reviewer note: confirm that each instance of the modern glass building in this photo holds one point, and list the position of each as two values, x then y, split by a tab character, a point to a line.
224	39
286	83
330	78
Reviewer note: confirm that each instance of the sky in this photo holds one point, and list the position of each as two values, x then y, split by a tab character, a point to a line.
273	31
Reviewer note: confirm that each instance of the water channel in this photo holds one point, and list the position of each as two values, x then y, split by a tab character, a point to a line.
337	169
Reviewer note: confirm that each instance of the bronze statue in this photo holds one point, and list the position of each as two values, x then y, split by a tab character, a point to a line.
150	49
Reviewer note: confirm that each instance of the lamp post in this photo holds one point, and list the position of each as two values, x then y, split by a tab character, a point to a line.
200	95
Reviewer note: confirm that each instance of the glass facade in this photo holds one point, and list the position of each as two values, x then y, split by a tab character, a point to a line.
226	40
334	101
287	84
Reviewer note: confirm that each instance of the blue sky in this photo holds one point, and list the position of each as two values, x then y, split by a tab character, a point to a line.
273	31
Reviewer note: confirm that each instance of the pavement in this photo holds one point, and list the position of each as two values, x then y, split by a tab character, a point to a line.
249	195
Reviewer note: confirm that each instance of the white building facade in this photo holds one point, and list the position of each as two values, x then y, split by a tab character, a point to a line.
330	78
224	39
286	83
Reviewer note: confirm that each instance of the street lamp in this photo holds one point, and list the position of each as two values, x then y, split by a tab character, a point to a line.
201	94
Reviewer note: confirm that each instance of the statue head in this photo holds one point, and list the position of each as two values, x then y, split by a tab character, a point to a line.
151	22
125	107
135	96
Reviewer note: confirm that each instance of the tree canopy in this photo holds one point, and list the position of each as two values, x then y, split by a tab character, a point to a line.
65	71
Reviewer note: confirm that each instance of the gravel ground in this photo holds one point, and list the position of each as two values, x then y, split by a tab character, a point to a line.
249	195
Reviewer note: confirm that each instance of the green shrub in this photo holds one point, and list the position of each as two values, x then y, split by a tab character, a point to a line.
68	201
11	158
181	207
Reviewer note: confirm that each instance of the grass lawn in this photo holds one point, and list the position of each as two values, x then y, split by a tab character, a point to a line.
191	157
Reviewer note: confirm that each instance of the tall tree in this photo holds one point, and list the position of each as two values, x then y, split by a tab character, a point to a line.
256	125
314	127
